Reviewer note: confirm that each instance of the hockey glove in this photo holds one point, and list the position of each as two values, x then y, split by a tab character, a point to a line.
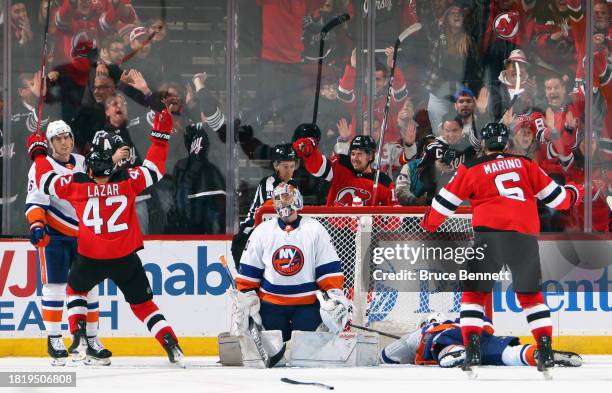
37	146
336	310
162	126
577	193
304	147
245	306
39	236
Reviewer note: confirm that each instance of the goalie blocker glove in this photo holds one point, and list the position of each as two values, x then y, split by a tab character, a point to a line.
162	126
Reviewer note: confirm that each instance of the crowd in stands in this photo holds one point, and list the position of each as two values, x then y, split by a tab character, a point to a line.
107	73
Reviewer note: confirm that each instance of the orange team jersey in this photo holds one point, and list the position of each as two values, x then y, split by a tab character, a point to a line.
502	189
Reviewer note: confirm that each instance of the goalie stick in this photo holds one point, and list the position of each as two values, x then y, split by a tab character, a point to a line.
294	382
328	26
405	34
367	329
254	329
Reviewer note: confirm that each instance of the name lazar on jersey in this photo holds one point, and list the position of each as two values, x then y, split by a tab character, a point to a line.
503	165
103	190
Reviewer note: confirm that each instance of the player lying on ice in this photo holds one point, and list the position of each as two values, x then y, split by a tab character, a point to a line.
109	234
284	264
439	341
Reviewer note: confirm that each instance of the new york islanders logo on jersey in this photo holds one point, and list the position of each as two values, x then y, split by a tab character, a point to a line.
346	195
288	260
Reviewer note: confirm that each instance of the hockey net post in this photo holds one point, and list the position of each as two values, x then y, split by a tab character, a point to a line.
353	230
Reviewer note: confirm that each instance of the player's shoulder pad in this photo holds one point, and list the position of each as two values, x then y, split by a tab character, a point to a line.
385	180
491	157
343	160
120	175
80	177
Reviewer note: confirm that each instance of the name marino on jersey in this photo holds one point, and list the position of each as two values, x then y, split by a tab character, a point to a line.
288	265
503	165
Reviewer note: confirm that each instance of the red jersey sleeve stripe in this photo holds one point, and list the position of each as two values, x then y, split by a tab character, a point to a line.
449	196
150	165
552	195
443	206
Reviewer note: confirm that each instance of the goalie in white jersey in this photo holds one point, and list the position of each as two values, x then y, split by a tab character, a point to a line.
53	230
285	263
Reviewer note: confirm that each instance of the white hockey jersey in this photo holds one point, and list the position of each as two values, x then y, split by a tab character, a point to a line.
57	213
288	263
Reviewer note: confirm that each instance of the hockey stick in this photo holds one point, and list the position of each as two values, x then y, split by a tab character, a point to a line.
43	70
254	329
294	382
517	86
367	329
405	34
328	26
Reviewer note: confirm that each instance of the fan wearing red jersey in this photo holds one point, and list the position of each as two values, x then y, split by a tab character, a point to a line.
350	176
109	234
503	189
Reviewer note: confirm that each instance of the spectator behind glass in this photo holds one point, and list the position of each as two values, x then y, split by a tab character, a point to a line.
409	189
601	21
25	49
199	189
465	105
503	91
281	82
444	155
556	35
506	25
141	56
399	93
453	62
91	118
523	142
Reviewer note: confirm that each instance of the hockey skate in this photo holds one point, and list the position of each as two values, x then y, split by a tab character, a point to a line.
472	356
567	359
545	356
97	355
79	343
175	353
57	350
452	356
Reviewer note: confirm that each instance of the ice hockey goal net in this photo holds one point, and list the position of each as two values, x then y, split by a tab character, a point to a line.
378	305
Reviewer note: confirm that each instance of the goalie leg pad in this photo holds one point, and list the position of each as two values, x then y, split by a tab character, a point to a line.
324	349
272	341
229	350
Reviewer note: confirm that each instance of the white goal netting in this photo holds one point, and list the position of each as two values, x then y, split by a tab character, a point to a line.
354	232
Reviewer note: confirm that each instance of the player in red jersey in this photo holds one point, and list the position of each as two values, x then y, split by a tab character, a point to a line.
109	233
351	176
503	189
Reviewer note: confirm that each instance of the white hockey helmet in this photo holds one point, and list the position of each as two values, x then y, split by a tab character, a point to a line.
286	199
58	127
437	317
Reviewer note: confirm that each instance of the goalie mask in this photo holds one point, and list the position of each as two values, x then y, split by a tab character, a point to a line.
286	199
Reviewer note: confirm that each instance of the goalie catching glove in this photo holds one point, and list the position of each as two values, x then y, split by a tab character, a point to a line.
245	305
336	310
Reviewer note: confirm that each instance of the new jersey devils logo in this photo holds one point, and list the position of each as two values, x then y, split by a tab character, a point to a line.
346	195
507	24
288	260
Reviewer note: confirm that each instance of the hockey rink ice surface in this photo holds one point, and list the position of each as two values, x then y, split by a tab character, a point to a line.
203	374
